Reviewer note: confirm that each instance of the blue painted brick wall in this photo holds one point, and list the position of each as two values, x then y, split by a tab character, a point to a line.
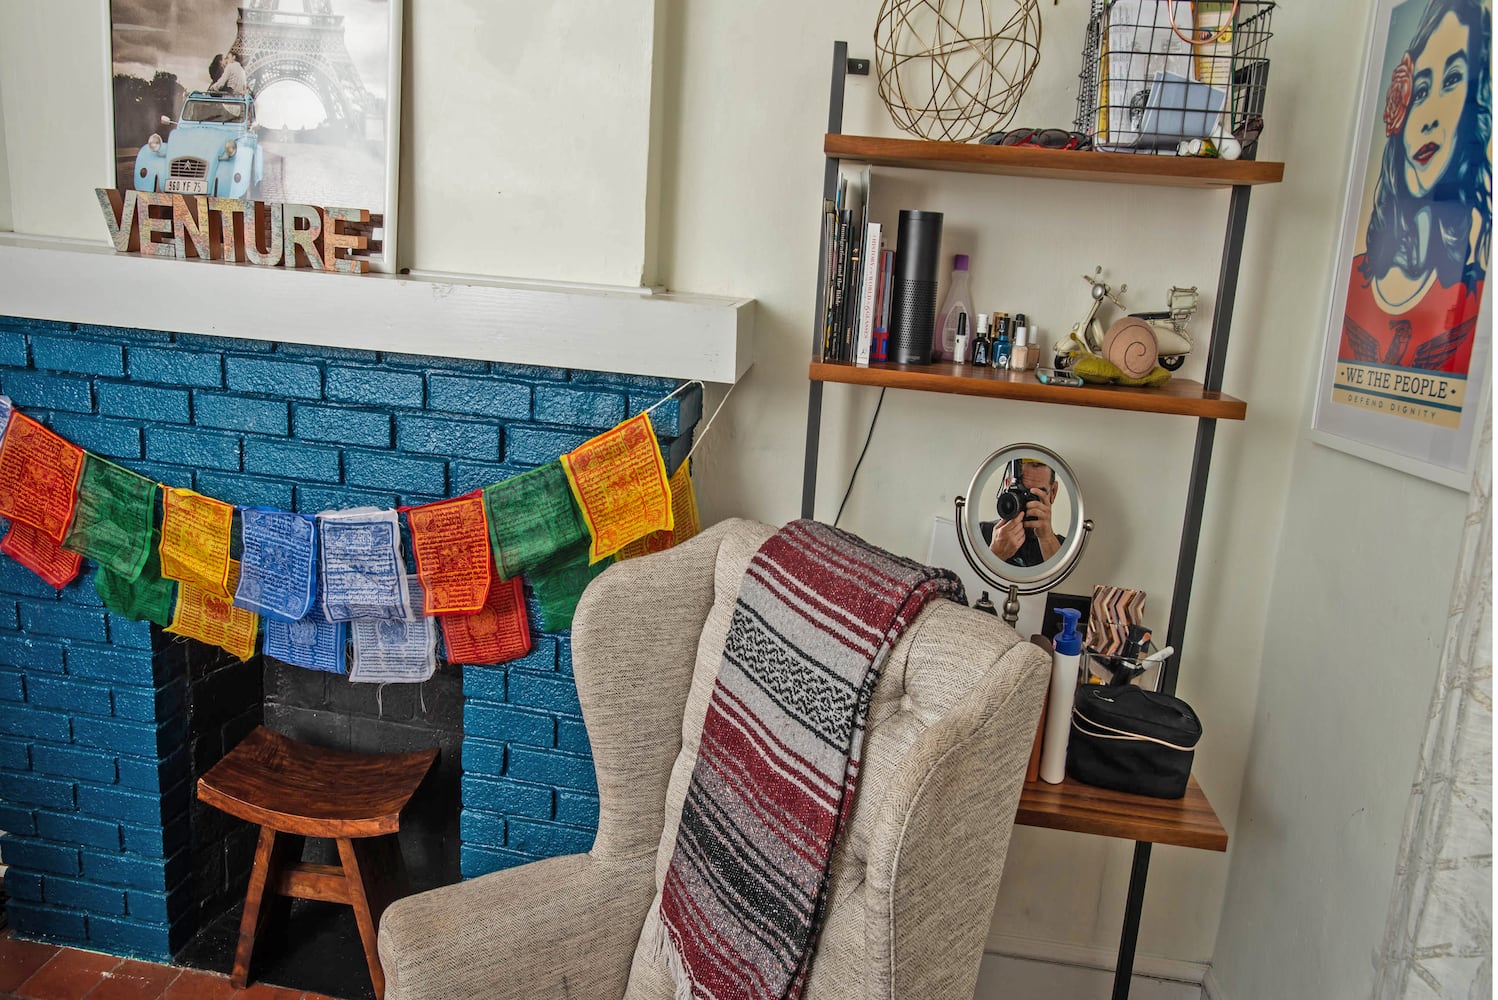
93	771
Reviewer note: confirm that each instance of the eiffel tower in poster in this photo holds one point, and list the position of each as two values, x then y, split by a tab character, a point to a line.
276	43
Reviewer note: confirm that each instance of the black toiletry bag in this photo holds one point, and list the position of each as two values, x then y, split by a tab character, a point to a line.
1132	740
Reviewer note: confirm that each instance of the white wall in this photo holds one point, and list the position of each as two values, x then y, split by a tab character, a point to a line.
741	91
524	132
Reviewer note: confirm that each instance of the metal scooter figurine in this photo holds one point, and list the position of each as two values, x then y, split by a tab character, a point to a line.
1087	336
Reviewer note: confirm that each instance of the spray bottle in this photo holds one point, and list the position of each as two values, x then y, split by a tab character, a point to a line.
1064	663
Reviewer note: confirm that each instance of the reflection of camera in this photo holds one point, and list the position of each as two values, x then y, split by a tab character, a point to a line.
1014	499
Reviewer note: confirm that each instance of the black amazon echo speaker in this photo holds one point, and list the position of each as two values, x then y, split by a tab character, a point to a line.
912	315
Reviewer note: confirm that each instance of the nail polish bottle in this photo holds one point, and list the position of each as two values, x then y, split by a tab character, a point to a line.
1003	346
1021	359
982	347
960	346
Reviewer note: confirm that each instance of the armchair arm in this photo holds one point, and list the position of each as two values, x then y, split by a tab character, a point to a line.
561	928
929	893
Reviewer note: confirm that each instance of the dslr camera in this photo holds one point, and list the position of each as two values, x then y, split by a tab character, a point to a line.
1014	499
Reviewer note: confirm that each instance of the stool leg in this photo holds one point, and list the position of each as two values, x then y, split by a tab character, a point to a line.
270	856
359	876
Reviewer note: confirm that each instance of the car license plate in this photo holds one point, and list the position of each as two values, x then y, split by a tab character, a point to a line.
186	185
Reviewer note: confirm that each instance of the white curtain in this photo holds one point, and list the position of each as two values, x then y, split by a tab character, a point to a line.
1438	940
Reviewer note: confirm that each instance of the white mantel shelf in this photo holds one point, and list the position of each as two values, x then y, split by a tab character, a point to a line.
636	332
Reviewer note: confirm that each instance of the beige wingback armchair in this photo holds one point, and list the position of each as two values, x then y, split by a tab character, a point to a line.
913	882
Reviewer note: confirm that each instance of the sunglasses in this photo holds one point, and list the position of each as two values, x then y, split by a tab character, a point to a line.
1044	138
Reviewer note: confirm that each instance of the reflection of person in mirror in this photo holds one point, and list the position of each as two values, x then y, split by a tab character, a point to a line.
1029	539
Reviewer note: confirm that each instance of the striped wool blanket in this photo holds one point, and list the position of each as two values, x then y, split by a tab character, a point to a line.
817	614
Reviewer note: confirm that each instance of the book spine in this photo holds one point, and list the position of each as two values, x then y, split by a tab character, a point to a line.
829	257
871	275
840	286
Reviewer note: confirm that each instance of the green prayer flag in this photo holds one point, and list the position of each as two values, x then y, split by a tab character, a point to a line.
559	583
532	517
148	597
112	521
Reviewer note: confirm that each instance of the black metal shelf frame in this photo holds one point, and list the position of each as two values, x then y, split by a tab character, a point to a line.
1196	496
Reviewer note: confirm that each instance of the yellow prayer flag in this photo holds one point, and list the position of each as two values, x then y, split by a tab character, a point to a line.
195	533
215	620
620	484
686	522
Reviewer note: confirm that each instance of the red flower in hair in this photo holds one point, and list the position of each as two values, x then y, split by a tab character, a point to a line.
1397	103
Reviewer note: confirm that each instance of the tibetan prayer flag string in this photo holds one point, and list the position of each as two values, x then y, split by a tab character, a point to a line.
395	651
277	575
559	583
213	618
195	539
532	517
33	549
620	484
38	476
363	575
112	525
148	597
451	542
311	643
497	634
685	521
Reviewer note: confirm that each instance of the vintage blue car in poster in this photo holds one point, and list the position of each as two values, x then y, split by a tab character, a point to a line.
213	150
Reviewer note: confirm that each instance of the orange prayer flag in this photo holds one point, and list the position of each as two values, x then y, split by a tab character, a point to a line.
685	520
497	634
620	484
38	476
195	532
451	542
214	619
33	549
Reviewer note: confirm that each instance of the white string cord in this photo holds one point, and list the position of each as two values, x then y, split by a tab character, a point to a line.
707	426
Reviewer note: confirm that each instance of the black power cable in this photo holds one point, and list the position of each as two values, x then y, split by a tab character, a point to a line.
853	478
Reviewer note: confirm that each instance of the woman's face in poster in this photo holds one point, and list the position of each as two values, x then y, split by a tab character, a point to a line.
1438	97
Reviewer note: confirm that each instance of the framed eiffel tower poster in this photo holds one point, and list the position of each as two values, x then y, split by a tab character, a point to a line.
283	102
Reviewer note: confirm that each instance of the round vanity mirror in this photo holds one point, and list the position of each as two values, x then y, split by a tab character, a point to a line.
1022	525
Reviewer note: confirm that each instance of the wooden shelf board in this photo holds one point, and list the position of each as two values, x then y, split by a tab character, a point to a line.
1071	805
1179	396
1057	164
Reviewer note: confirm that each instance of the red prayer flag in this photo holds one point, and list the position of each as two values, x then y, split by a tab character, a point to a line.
38	476
33	549
496	634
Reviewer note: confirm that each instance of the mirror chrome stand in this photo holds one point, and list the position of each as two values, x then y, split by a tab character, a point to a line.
1015	590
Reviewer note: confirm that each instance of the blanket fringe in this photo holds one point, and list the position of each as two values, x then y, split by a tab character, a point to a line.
660	944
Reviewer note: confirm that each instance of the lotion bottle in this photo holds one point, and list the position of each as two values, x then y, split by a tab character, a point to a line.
1065	661
959	302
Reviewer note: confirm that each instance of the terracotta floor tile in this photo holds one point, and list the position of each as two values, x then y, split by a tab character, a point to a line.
193	985
68	975
19	959
260	991
135	981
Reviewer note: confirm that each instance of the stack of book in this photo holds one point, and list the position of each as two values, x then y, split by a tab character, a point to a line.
856	271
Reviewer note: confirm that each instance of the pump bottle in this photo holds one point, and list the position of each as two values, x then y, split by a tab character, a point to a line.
1064	664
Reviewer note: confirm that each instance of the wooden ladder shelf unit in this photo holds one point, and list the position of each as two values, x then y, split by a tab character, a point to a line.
1189	822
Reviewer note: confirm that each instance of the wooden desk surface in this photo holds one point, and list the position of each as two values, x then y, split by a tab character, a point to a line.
1071	805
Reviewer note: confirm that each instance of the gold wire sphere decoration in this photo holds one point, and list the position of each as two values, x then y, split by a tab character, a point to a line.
948	70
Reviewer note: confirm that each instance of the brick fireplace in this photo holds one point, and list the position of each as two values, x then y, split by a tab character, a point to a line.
104	721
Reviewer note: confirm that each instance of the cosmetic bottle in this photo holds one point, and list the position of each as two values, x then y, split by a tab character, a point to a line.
1065	659
1020	358
1003	346
961	349
982	347
959	302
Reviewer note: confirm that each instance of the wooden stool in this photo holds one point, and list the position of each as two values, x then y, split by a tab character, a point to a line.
296	790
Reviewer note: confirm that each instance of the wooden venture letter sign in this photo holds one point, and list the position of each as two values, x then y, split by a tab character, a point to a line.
235	229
